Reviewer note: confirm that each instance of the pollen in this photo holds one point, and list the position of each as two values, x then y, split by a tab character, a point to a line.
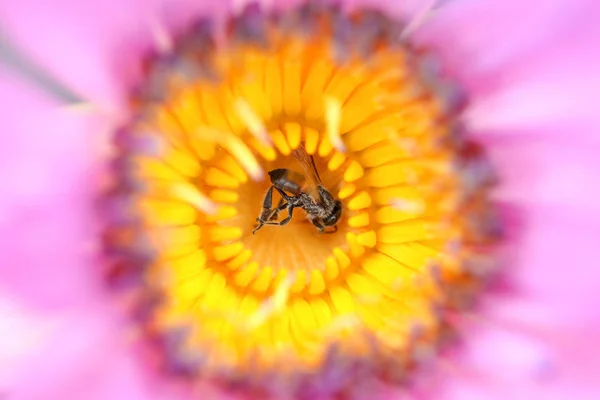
283	305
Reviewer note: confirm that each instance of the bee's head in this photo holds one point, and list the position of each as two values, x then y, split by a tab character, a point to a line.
336	213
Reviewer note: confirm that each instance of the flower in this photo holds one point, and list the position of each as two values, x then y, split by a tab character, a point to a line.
507	75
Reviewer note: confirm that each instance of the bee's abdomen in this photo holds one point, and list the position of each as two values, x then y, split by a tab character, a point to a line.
279	178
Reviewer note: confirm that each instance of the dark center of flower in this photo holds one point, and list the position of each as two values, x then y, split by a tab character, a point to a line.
290	302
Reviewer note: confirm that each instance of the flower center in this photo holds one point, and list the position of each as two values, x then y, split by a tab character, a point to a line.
311	90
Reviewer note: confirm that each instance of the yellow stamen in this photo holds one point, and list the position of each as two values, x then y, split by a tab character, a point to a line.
333	115
312	140
190	194
252	121
237	148
274	305
408	206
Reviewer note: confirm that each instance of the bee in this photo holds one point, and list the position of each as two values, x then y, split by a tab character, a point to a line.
306	192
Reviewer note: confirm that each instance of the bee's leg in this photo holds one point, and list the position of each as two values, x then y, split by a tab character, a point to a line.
283	221
266	212
335	228
289	217
281	206
268	201
283	194
290	208
268	219
316	223
258	226
275	213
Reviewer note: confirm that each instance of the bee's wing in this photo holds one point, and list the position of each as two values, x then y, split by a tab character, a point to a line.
310	171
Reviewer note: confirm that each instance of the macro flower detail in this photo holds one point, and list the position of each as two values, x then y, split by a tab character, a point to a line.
417	228
296	199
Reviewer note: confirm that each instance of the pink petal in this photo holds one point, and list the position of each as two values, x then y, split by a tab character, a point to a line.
530	71
517	352
48	165
532	81
530	64
556	89
555	263
81	355
95	47
507	32
557	172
